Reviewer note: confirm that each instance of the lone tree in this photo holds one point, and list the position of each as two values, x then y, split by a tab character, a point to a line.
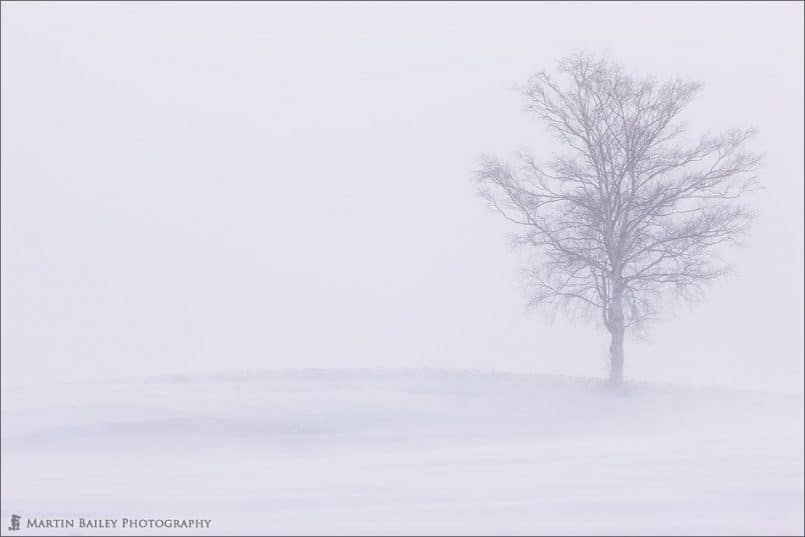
630	213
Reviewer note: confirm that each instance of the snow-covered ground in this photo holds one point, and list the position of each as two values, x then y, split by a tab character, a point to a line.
404	452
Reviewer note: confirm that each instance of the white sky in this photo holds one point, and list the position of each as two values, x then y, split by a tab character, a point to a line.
195	187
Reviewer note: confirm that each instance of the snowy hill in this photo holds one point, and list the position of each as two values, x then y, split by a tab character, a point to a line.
404	451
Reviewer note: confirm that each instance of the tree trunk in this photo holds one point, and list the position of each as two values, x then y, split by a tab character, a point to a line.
616	356
616	330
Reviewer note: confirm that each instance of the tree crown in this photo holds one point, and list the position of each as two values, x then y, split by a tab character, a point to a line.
629	212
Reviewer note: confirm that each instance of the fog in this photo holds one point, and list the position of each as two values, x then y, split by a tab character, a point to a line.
246	277
209	187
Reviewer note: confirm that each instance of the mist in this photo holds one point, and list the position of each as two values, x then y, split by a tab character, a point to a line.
250	228
286	185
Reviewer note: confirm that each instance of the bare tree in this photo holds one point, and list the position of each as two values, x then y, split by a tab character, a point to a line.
630	213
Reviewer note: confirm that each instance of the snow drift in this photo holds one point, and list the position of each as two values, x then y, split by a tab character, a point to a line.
404	452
